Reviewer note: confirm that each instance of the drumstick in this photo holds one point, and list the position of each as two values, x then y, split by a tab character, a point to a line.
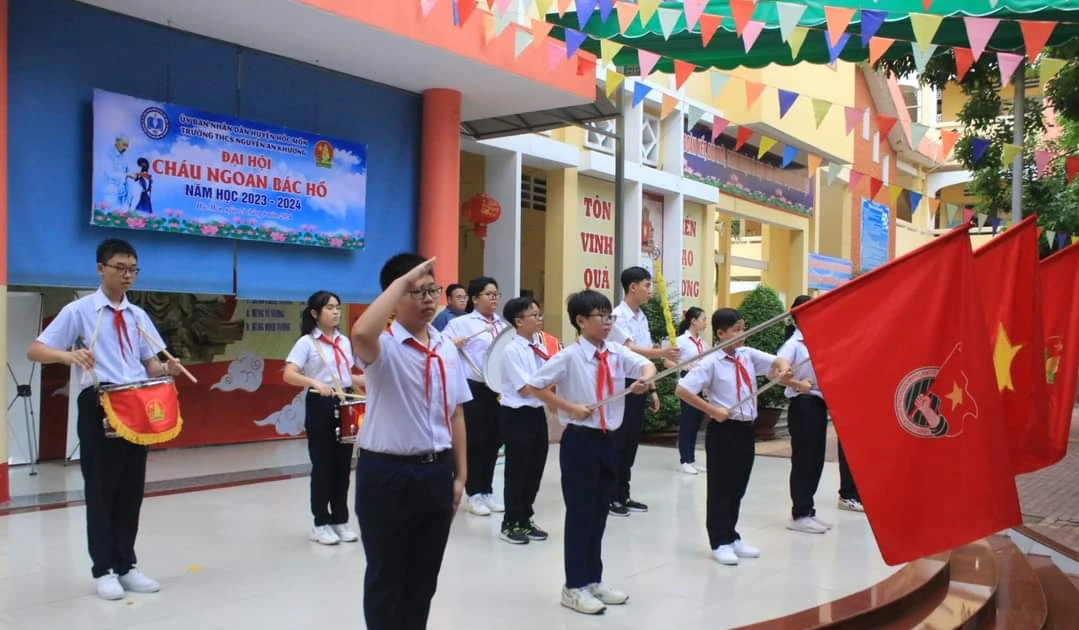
162	350
769	385
479	332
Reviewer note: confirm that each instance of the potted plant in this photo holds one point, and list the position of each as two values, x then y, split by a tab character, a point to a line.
760	305
662	427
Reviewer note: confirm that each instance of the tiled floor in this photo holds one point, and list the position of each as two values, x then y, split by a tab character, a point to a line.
239	558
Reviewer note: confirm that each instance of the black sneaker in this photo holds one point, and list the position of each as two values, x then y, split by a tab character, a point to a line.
617	509
533	532
514	535
635	506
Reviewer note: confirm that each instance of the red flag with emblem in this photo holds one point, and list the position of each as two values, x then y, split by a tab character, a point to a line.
1007	271
1060	311
933	474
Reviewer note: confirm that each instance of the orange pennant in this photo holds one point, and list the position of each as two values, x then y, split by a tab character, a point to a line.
948	139
744	134
540	29
682	71
964	61
742	12
877	47
563	6
709	24
669	103
626	13
1035	35
812	163
753	92
838	19
934	205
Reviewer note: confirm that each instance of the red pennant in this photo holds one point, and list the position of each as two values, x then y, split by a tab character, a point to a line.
855	179
708	25
744	134
926	4
718	125
742	12
1071	168
682	71
853	116
948	139
1035	35
885	124
464	11
964	61
874	187
968	215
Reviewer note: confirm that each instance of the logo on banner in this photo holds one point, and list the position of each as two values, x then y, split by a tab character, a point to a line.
155	123
323	154
933	402
155	411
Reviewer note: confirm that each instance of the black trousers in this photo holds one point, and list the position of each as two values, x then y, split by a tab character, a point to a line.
728	448
808	425
688	427
525	433
404	509
114	478
331	462
847	489
588	461
627	438
481	428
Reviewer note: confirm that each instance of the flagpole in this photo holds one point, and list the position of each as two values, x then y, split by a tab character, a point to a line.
720	346
1019	84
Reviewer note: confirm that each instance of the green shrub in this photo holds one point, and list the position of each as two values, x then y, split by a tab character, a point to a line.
759	306
666	419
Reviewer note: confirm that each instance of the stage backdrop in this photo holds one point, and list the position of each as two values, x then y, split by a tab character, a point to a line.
161	167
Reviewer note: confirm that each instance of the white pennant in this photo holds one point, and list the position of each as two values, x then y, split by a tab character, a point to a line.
921	57
789	15
667	19
694	116
719	81
522	40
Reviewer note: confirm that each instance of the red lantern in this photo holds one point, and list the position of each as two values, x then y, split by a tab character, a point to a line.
481	210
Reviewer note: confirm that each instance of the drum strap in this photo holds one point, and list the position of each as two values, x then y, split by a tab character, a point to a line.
337	386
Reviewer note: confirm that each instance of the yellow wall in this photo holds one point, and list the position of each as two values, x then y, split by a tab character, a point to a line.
695	255
834	219
469	245
908	239
563	242
533	246
592	260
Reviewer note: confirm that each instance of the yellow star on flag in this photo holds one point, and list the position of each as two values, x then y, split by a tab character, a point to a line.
1003	355
956	396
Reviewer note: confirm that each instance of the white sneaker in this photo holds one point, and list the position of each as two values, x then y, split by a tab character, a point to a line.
806	525
108	587
136	581
689	469
478	506
493	504
701	467
743	550
582	600
851	505
825	524
324	535
724	554
608	595
345	533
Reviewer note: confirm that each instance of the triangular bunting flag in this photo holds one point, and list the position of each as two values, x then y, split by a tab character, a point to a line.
719	81
540	29
647	61
719	123
934	208
1041	160
608	48
913	199
1071	168
742	12
796	39
543	7
503	6
834	51
555	53
812	163
853	116
925	27
978	147
789	153
694	9
1050	236
694	116
928	3
753	92
488	28
502	20
1047	69
855	179
744	134
426	6
964	61
563	6
626	13
917	132
640	91
1009	153
871	21
981	216
647	9
522	39
1062	240
585	9
893	193
885	125
1008	63
789	14
574	39
874	187
682	71
921	56
833	172
465	10
750	34
979	32
669	103
1035	36
948	138
709	25
765	146
968	215
877	47
820	110
951	212
995	222
667	20
614	79
605	8
837	18
786	101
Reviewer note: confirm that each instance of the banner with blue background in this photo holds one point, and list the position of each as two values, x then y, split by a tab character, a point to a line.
165	168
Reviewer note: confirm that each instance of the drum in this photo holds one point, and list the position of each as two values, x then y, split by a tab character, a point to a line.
492	370
349	414
144	412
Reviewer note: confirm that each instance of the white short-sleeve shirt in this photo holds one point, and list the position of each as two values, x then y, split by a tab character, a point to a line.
476	348
795	351
328	366
689	346
519	364
630	327
718	375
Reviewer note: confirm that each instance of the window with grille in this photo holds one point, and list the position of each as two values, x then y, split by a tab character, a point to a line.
533	192
603	142
650	140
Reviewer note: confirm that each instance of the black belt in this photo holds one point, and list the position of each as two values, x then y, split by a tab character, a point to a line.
420	458
593	432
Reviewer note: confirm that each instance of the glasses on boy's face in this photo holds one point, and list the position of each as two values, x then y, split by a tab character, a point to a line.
123	270
606	317
494	295
431	293
538	316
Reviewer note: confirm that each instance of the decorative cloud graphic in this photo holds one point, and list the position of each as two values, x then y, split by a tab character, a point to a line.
290	419
245	373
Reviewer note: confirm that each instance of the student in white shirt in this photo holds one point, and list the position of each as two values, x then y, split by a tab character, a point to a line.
103	335
631	330
730	379
523	421
690	345
412	467
584	373
321	362
473	333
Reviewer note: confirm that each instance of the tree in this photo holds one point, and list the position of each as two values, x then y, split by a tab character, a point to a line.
759	306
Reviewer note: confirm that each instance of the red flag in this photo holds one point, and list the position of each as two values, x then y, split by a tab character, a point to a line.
928	468
1060	311
1008	271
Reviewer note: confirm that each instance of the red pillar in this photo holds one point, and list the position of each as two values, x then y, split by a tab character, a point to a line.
440	181
5	493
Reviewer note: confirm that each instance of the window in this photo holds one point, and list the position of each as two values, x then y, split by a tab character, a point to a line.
650	140
911	99
533	192
601	142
